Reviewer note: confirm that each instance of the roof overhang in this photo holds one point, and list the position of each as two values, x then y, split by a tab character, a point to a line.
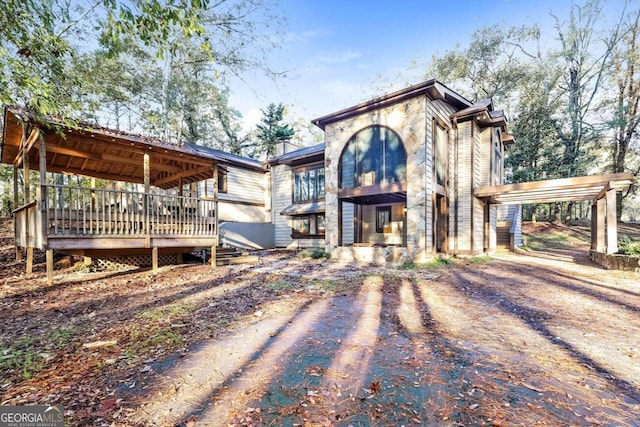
304	208
432	88
582	188
91	151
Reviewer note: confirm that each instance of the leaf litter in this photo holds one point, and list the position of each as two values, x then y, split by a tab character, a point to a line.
107	346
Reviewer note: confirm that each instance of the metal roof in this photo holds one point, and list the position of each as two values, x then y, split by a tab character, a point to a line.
301	154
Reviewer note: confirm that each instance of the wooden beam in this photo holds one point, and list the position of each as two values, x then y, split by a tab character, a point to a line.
154	260
600	226
612	222
26	147
147	187
29	259
49	257
373	190
564	183
160	182
105	157
44	194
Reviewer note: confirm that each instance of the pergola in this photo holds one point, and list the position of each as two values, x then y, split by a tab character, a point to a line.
600	190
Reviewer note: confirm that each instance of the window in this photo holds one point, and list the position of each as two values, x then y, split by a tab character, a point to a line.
308	184
496	161
373	156
383	219
222	184
440	163
308	226
222	181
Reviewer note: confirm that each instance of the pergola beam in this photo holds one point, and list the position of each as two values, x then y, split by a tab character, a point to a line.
26	146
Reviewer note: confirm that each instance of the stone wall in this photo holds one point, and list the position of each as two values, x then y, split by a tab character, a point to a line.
616	261
407	119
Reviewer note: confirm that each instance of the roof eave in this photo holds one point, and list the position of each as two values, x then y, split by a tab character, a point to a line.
433	88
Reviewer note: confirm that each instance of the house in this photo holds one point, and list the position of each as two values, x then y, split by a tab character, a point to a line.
403	177
394	178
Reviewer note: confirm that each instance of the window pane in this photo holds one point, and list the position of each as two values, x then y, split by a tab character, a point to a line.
313	195
373	156
301	224
304	186
320	183
395	169
320	224
297	189
440	154
348	166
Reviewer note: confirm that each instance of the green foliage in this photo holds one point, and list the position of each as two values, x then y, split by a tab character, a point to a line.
273	129
573	103
629	246
169	312
436	262
478	259
314	253
281	285
23	355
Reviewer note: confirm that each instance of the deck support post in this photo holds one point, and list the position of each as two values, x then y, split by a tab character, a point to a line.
27	193
16	201
43	199
147	187
612	222
154	260
215	215
87	261
49	255
29	260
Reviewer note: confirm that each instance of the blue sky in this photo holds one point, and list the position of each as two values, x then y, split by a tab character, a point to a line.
341	52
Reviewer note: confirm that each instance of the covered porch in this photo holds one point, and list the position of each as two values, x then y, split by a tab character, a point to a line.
128	194
600	190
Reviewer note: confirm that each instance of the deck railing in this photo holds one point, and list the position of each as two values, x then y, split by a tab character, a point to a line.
81	211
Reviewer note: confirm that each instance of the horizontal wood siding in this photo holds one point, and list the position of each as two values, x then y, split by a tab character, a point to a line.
484	151
493	221
465	141
478	178
347	224
244	200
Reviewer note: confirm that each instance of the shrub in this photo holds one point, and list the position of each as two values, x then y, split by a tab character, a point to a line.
628	246
315	253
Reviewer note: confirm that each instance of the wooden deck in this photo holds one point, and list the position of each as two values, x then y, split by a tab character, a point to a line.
82	218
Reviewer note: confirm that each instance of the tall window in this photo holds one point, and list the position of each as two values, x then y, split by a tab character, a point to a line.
497	167
308	184
373	156
440	154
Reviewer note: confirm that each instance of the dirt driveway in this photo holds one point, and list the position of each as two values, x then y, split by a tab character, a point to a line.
545	338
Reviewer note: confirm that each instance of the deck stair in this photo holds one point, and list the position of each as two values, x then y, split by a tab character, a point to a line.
230	256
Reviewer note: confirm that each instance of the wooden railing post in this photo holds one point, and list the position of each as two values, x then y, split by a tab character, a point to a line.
147	185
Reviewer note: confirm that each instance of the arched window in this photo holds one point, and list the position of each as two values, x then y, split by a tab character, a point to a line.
373	156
